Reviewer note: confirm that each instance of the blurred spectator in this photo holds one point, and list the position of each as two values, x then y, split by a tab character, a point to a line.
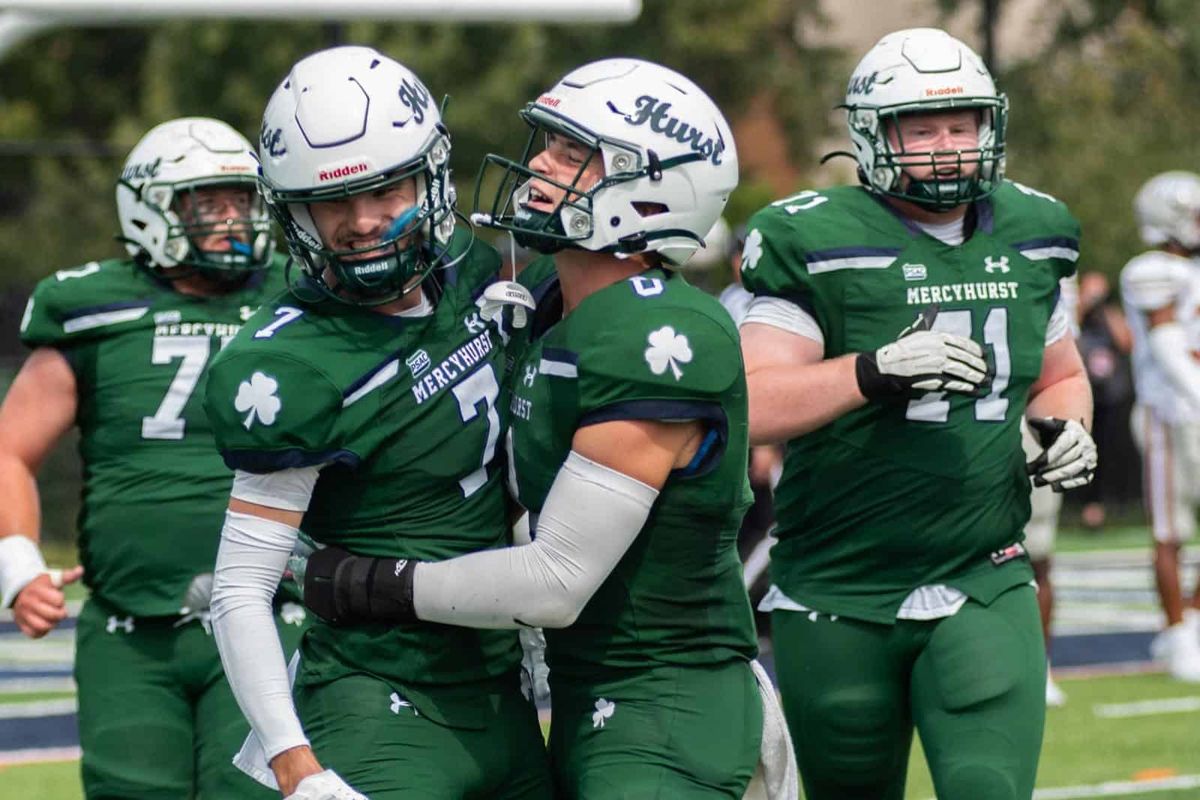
1105	343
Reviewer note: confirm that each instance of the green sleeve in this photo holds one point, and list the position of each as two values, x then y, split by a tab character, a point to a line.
271	412
77	304
673	363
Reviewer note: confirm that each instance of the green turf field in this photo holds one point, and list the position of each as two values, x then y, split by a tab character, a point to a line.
1082	748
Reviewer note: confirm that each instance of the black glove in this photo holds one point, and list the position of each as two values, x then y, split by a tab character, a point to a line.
344	589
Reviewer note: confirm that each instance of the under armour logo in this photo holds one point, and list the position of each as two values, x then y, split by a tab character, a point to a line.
996	265
398	703
813	616
604	710
530	374
474	323
115	622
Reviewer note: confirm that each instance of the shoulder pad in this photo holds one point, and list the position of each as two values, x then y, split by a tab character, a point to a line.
659	348
272	411
83	302
1155	280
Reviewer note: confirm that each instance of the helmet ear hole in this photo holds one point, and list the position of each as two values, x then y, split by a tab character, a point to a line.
650	209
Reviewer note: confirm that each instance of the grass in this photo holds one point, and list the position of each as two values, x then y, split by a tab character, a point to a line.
33	697
1080	747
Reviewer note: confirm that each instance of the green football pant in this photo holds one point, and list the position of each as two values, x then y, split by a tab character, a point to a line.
665	733
973	684
157	720
382	745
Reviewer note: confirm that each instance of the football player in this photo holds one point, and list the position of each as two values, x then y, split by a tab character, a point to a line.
628	446
1161	292
899	328
363	408
120	348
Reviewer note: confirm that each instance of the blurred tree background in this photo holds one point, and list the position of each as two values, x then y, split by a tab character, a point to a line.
1106	103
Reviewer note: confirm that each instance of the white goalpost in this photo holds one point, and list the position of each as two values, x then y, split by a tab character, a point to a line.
21	19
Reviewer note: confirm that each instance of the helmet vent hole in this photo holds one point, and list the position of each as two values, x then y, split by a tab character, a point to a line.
614	221
374	63
650	209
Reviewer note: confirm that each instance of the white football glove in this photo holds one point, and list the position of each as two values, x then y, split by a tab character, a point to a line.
533	662
502	294
922	360
324	785
1069	458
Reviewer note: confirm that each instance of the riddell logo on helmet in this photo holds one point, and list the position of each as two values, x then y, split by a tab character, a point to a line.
344	171
943	91
548	100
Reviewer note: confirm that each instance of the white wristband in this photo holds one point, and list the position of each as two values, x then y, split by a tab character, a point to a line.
20	563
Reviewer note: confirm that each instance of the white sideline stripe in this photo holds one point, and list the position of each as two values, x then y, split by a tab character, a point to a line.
1145	708
26	685
104	318
1043	253
851	262
1118	788
38	708
389	371
39	755
559	369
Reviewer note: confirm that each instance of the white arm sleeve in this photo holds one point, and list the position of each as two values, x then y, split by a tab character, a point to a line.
785	315
288	489
250	562
590	518
1169	345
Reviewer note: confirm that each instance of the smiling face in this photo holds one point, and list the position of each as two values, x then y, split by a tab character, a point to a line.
944	144
565	161
360	221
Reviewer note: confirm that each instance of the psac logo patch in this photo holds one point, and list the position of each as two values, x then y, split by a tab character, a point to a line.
652	111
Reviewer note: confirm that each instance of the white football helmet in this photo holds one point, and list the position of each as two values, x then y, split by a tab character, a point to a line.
349	120
178	157
669	164
1167	209
921	70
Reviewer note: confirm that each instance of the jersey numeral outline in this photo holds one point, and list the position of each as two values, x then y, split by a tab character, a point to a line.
933	407
90	268
285	314
802	201
168	421
479	387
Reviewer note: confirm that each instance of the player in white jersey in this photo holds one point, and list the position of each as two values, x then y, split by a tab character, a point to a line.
1161	293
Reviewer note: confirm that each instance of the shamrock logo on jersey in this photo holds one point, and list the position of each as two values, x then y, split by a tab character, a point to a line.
257	396
752	251
667	349
604	710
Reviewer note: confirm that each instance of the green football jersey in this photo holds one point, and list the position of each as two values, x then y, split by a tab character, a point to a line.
650	347
888	498
155	490
404	412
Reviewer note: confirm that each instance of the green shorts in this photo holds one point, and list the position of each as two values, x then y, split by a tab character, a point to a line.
157	720
667	732
389	743
972	684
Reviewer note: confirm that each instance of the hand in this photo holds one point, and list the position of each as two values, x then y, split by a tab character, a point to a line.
344	589
41	605
921	360
503	294
324	785
198	598
1068	459
297	563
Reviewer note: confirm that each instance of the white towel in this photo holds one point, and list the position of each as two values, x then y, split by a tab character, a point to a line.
252	759
776	777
